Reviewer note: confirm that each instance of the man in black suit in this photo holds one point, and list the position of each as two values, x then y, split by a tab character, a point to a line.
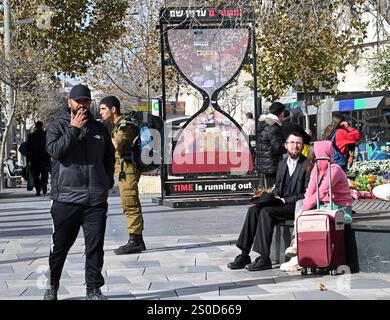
292	179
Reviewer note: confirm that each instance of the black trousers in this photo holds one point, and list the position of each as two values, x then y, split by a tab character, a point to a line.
67	219
259	225
40	177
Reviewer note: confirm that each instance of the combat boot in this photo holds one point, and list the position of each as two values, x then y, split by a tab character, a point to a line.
135	244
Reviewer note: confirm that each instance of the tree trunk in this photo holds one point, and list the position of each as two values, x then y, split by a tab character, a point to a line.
2	148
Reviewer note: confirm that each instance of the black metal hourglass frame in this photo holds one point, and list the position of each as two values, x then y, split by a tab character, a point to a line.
209	100
223	57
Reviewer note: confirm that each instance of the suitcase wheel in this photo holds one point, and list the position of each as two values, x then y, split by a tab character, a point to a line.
333	272
313	270
304	271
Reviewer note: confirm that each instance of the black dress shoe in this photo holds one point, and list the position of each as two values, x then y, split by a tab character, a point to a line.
239	262
51	293
261	263
95	294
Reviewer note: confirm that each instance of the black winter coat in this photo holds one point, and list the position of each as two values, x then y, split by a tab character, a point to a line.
269	146
37	155
82	161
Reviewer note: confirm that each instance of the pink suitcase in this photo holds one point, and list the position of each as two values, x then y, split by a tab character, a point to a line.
320	237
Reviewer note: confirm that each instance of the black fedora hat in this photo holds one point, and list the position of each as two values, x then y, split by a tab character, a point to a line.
277	108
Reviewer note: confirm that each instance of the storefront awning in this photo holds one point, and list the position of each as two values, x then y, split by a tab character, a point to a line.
341	105
357	104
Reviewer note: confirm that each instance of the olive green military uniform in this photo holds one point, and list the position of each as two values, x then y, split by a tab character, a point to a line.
128	187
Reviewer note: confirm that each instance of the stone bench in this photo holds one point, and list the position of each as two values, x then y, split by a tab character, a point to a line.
281	240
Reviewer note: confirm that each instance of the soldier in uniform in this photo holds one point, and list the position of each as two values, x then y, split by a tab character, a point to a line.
123	135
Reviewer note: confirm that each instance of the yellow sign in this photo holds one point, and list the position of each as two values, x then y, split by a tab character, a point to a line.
145	105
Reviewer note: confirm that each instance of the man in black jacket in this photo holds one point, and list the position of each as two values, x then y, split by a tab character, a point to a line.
269	146
82	173
38	158
291	182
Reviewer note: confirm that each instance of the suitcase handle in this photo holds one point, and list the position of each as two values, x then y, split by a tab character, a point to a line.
330	181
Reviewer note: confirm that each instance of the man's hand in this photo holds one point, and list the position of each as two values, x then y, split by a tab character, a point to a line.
277	197
344	124
79	120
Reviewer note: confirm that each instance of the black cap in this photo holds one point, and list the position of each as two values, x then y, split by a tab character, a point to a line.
80	91
277	108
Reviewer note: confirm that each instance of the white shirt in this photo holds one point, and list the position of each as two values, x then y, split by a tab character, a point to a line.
291	164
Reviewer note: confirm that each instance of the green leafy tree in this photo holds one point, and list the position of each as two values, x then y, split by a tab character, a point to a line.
49	38
75	32
380	69
132	68
305	44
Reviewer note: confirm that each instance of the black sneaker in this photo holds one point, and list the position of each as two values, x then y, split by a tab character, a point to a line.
51	293
239	262
95	294
261	263
135	244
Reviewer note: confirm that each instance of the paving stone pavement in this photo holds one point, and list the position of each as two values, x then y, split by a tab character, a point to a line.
186	257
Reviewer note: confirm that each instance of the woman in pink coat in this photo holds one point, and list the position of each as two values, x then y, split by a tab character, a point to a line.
341	195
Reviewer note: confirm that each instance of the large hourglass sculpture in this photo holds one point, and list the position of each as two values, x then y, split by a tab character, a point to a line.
209	58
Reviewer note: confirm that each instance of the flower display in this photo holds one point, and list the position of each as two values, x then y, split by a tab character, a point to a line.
361	187
259	192
376	167
366	182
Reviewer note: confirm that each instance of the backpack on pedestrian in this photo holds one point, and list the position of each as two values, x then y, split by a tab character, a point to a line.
338	157
145	149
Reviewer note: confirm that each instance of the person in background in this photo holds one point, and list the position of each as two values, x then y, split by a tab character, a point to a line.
306	146
249	128
269	144
38	159
14	168
344	138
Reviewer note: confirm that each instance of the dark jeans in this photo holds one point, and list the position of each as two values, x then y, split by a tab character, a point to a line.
259	226
67	219
40	177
